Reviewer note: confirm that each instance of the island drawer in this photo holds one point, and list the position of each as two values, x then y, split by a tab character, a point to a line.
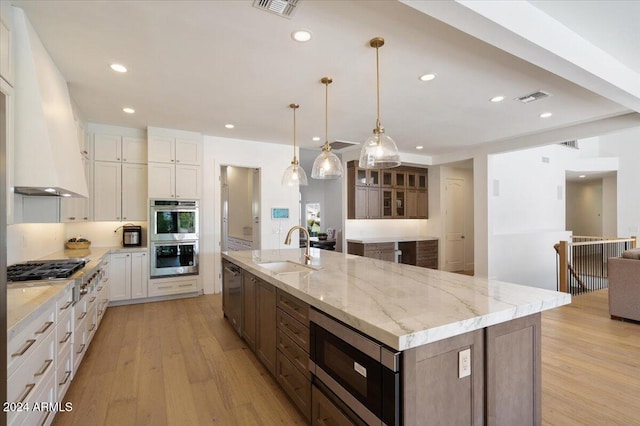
294	383
298	332
294	307
294	353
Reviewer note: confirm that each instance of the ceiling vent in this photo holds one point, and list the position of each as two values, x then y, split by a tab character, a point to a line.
338	145
535	96
283	8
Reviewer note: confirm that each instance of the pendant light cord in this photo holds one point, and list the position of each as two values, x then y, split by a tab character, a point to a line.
326	112
378	127
294	107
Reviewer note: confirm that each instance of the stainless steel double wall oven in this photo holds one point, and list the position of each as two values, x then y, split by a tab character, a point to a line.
174	237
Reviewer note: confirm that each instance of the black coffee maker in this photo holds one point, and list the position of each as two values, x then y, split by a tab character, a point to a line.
131	236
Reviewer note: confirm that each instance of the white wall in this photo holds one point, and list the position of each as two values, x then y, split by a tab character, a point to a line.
272	160
526	214
28	241
626	146
240	198
101	234
584	207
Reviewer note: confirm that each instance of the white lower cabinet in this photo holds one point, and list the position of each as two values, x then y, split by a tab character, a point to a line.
129	275
173	285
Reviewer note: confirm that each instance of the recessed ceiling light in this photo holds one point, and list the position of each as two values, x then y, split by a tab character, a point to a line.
66	195
582	176
229	126
545	115
419	147
315	138
129	110
301	35
118	68
427	77
497	98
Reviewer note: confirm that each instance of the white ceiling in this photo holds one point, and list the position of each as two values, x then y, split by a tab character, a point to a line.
197	65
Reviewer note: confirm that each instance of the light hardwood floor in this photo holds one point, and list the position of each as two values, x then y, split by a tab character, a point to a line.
179	363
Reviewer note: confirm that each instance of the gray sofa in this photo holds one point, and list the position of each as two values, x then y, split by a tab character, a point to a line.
624	285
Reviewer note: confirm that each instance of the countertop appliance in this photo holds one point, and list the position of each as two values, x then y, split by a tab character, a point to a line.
232	294
356	373
131	236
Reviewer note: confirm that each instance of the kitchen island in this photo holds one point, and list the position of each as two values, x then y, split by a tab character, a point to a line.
431	317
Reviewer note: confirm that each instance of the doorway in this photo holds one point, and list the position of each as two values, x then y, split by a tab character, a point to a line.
240	198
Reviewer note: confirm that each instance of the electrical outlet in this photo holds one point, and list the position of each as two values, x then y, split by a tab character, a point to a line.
464	363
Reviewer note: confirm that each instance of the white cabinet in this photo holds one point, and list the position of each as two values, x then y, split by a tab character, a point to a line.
175	167
120	149
173	285
6	48
174	181
128	275
76	209
120	191
166	149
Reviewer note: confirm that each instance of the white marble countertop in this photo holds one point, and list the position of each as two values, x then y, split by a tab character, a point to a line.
28	299
389	239
27	302
402	306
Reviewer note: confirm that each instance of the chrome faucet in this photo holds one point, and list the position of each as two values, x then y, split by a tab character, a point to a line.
287	241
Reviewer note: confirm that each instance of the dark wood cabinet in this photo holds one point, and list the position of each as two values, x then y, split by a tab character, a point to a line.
382	251
249	309
266	324
420	253
399	193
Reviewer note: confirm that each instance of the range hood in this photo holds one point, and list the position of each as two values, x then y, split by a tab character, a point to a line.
47	159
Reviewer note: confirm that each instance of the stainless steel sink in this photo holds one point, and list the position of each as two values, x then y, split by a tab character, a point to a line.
287	267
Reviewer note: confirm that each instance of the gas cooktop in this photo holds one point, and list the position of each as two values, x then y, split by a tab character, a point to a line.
44	269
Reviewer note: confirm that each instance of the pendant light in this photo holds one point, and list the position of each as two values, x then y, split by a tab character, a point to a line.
327	165
379	151
294	175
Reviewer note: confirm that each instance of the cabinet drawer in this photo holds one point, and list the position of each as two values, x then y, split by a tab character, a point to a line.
92	323
324	412
298	357
24	384
45	393
163	288
23	344
64	334
294	329
379	247
294	307
64	302
64	373
294	383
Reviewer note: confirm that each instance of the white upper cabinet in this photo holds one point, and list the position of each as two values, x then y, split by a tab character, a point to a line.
120	149
6	43
165	149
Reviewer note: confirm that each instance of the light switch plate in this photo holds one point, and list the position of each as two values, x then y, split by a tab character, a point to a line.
464	363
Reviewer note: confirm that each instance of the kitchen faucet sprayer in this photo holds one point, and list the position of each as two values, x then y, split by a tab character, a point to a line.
287	241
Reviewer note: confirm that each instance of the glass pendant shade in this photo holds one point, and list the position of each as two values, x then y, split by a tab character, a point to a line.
379	151
294	175
327	166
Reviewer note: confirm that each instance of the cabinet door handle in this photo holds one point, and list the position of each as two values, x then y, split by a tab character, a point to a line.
24	348
44	368
66	337
93	326
67	375
81	317
81	349
72	218
66	305
27	391
163	287
44	327
93	299
184	285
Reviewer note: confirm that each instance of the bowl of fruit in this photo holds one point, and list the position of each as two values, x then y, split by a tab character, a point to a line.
77	243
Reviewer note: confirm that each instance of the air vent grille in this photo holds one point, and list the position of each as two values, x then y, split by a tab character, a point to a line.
337	145
570	144
284	8
535	96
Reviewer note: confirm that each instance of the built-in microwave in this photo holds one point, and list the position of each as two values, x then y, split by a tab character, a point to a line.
357	374
170	258
173	220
